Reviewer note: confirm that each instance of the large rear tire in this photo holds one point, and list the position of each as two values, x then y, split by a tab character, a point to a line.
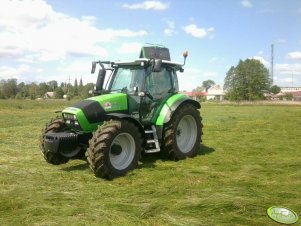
114	149
55	125
182	134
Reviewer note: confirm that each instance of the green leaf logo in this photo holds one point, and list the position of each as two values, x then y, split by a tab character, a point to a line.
282	215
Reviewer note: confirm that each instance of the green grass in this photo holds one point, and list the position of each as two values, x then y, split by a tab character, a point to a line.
250	161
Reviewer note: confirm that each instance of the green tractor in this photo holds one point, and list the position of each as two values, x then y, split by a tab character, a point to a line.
135	109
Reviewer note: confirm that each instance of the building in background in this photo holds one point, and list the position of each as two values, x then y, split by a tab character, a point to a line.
215	92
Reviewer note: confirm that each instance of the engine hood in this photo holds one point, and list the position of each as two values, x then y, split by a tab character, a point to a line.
91	112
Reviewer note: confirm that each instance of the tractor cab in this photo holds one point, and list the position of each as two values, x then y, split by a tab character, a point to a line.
147	81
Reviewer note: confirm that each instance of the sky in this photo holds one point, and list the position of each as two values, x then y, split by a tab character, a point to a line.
49	40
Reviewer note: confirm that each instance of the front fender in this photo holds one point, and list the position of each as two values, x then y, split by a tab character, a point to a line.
127	117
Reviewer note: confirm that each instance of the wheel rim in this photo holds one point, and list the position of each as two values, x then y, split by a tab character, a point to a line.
186	133
122	158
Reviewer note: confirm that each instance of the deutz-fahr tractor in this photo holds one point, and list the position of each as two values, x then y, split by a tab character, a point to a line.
136	108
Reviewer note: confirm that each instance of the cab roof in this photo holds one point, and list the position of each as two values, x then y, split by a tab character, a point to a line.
145	62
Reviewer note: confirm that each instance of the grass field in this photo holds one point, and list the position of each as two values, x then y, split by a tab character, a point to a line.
250	160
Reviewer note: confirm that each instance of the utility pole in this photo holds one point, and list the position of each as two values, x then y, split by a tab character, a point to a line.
272	63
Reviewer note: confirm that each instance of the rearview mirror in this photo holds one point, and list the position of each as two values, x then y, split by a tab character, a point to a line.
156	64
93	67
100	80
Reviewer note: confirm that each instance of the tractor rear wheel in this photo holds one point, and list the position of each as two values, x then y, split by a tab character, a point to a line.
55	125
182	134
114	149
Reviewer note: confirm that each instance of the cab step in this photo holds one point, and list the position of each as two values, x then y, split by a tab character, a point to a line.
152	139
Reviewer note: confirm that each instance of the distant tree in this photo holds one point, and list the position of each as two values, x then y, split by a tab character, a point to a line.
70	91
22	90
249	80
275	89
288	96
81	82
86	89
52	85
58	93
1	94
75	90
33	91
43	88
207	84
198	89
9	88
80	87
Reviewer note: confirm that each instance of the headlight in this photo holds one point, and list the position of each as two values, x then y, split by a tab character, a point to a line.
70	119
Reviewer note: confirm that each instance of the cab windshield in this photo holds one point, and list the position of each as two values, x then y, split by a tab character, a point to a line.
128	80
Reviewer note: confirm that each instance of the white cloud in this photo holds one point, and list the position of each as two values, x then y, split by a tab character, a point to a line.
294	55
193	77
288	69
212	60
189	79
16	72
196	32
262	60
287	74
280	41
128	48
170	30
33	31
148	5
246	3
210	74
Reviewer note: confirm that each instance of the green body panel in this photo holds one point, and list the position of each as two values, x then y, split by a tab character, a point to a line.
166	107
115	102
112	102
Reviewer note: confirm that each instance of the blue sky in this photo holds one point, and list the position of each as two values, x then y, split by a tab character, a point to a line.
45	40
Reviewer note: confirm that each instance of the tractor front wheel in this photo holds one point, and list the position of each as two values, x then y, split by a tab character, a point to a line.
55	125
114	149
182	134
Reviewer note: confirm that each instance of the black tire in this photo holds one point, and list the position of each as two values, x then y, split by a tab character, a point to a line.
114	149
183	133
55	125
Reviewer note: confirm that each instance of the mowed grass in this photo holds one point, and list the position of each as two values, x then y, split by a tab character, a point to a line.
250	160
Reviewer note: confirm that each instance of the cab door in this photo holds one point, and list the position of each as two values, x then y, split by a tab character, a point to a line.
158	88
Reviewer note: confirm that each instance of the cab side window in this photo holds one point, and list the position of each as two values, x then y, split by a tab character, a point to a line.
175	81
159	84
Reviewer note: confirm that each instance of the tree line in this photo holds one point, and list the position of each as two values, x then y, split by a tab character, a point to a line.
10	88
249	80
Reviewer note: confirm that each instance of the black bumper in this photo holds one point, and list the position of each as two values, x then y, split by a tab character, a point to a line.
65	143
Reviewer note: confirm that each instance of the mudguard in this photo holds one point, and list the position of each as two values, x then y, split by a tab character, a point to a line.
170	107
127	117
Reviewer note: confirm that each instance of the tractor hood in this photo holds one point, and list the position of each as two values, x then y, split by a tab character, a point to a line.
90	112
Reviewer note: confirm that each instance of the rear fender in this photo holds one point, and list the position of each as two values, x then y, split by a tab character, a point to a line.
171	106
